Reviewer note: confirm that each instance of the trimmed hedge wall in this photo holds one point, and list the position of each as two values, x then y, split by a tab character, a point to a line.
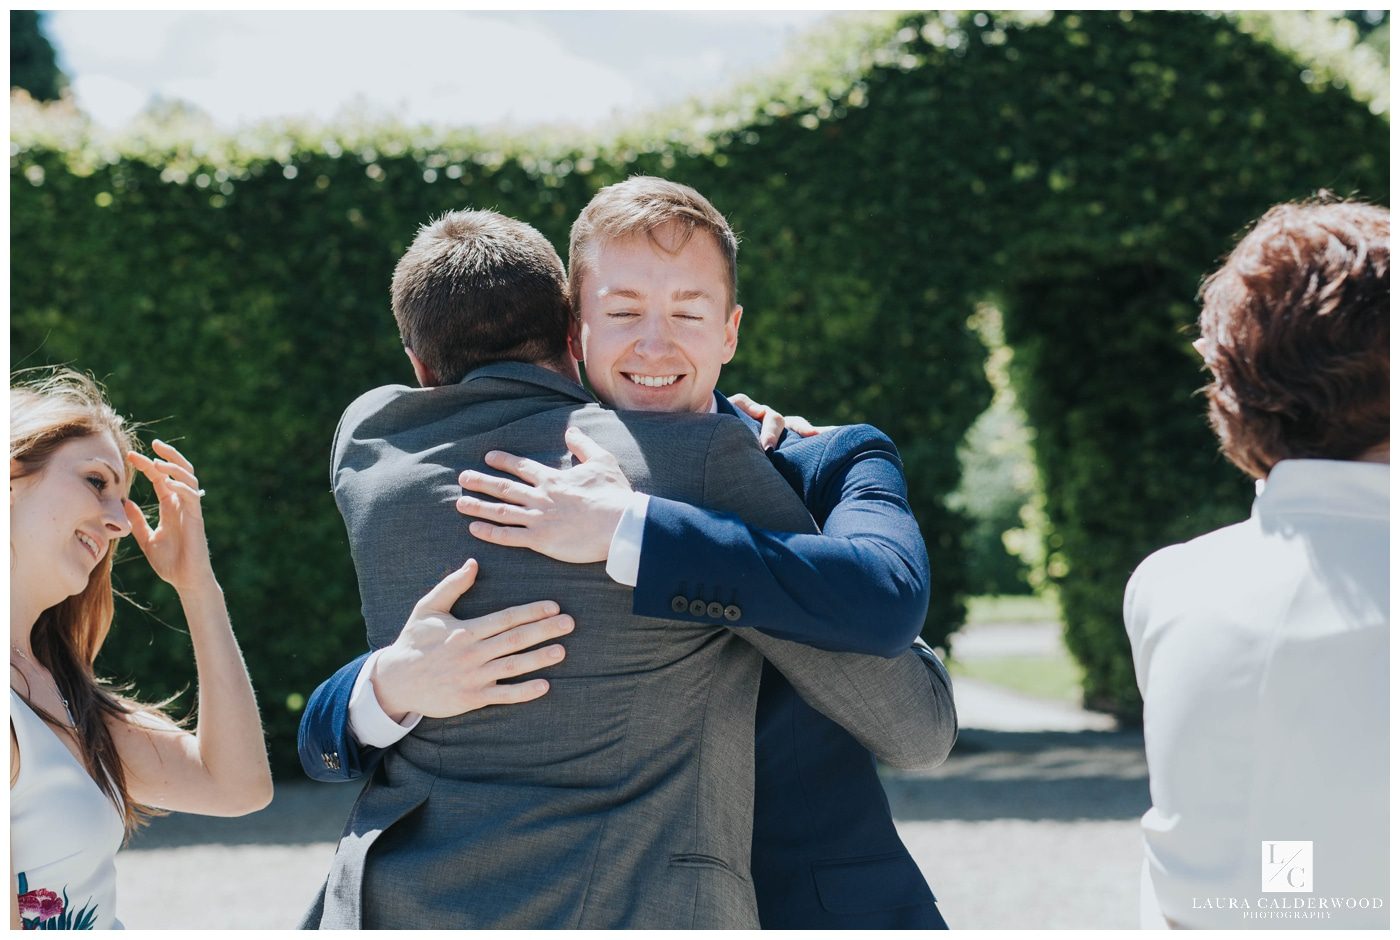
1079	171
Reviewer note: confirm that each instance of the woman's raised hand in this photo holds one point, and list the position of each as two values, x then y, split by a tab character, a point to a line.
176	548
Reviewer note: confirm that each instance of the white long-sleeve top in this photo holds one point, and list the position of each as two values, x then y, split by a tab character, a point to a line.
1262	654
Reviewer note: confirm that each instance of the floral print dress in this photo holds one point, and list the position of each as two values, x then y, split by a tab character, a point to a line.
64	833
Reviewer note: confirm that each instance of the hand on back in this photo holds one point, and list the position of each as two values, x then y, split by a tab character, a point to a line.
569	515
441	666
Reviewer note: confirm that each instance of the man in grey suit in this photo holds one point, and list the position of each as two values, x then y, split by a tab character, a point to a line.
622	798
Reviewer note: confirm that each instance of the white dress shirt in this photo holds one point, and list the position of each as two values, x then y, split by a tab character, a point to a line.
1262	654
369	723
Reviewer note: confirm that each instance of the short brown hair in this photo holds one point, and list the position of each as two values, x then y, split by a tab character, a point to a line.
1295	329
641	205
477	287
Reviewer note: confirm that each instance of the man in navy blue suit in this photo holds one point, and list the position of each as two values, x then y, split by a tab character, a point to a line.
656	322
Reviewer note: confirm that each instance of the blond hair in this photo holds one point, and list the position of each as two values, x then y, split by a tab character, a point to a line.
640	206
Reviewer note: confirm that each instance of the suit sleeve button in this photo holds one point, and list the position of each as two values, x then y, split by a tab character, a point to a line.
715	610
697	608
732	613
679	604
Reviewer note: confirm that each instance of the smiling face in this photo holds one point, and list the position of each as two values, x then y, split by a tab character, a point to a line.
66	517
656	325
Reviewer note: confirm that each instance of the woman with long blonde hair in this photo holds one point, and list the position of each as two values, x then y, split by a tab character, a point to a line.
87	763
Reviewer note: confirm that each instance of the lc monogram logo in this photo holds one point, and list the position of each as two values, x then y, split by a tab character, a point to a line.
1287	866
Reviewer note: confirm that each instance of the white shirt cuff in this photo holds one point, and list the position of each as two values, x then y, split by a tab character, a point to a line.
369	723
625	550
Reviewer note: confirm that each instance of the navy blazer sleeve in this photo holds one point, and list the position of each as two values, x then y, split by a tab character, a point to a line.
328	751
862	586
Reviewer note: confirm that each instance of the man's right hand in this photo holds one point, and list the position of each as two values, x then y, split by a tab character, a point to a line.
441	666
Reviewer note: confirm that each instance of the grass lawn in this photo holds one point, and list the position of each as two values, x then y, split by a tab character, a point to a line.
1053	677
1011	608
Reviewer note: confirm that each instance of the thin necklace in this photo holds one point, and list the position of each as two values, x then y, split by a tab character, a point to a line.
72	725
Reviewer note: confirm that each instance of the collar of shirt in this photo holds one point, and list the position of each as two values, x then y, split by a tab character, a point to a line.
1331	487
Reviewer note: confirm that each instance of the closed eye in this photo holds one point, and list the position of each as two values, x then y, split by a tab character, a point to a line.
688	316
622	314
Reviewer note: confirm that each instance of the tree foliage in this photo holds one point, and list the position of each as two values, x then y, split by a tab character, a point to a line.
1080	172
32	63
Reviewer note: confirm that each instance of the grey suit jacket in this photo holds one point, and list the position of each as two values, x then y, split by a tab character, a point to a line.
623	797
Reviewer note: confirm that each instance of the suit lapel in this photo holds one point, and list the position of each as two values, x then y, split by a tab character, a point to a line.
722	406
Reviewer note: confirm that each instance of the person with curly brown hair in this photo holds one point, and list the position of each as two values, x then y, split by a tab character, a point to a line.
1262	649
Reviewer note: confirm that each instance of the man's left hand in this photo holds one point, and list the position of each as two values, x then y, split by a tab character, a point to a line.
569	514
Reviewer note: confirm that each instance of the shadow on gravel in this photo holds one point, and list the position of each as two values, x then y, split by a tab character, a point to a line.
1040	775
301	813
1050	775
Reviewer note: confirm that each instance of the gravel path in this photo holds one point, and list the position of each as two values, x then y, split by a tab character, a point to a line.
1032	822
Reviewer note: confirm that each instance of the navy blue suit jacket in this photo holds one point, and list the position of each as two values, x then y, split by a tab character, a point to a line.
825	850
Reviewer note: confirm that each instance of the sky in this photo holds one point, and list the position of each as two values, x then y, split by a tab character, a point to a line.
449	68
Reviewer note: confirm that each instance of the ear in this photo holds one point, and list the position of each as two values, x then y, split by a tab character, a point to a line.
422	373
576	338
731	333
16	472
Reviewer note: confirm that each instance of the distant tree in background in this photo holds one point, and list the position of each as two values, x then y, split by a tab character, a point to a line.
1372	29
32	63
1368	21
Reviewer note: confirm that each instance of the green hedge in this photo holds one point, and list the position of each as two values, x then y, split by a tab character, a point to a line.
1081	172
